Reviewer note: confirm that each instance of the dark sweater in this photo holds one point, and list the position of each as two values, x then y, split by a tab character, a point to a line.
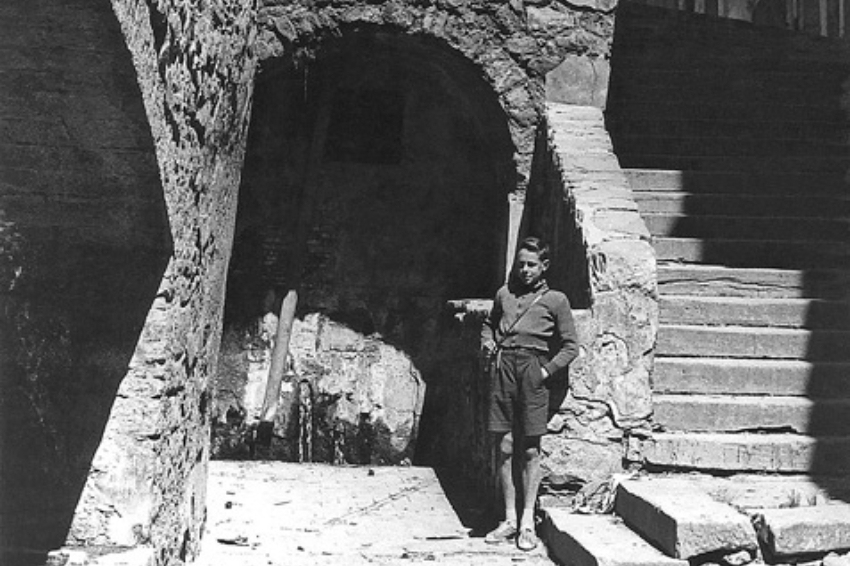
546	327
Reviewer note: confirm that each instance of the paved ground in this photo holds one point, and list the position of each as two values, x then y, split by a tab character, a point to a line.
269	513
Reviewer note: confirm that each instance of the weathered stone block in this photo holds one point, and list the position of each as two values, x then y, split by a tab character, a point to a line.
681	519
598	540
586	445
805	530
579	80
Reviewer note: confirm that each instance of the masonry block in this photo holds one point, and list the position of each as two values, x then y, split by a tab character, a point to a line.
683	520
805	530
598	540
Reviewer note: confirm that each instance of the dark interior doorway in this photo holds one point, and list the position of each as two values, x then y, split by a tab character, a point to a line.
411	211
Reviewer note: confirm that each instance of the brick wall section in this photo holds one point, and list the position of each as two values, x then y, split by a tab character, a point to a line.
581	202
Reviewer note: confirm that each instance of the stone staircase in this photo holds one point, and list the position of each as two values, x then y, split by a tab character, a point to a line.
691	520
734	141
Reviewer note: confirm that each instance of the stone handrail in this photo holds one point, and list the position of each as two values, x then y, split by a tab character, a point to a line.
826	18
591	217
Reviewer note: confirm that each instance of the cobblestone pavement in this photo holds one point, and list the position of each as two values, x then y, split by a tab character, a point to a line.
270	513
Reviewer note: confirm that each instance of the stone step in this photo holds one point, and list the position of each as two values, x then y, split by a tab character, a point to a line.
804	530
742	205
738	182
699	88
751	131
812	163
748	342
752	253
716	280
649	55
719	376
703	144
598	540
732	413
746	227
620	109
764	453
763	84
738	51
747	311
654	509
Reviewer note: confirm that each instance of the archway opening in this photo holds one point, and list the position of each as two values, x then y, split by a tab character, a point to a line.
409	185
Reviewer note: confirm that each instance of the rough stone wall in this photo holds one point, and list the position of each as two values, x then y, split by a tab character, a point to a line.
580	201
148	477
84	241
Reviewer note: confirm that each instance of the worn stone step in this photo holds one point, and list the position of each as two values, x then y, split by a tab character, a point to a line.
704	144
738	182
746	227
706	92
598	540
747	311
650	56
806	530
765	453
749	342
654	509
749	130
732	413
752	253
678	84
812	163
621	108
742	205
719	376
717	280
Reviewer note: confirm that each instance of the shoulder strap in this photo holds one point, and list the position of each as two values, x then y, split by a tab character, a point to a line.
522	314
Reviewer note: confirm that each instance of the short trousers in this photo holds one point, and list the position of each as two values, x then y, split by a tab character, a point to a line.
519	398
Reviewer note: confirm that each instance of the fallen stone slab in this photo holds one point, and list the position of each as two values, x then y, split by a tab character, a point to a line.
682	519
598	540
805	530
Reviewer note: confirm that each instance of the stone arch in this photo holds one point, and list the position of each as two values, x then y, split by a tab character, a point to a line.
394	237
494	39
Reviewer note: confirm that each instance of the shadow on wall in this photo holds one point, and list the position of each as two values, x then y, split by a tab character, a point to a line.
755	120
84	242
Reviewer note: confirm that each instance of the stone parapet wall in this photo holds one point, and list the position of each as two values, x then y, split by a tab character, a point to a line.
581	202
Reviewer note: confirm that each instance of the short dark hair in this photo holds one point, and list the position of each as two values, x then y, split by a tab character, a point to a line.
536	245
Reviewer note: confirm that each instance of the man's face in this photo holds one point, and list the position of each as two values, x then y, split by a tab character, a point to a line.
530	268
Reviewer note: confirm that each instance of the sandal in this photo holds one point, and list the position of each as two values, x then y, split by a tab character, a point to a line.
527	540
503	533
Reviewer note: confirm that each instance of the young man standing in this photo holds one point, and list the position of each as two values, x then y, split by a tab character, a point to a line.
528	323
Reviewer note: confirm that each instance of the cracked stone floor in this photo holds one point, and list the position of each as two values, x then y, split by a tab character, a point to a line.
271	513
